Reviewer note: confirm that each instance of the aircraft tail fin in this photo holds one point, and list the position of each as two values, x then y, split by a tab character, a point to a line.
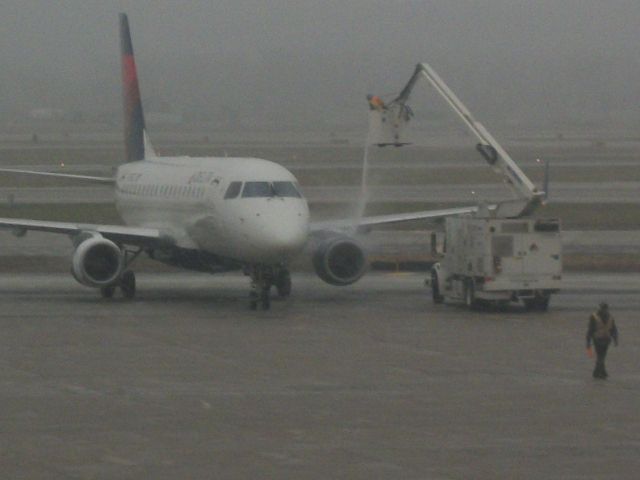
134	126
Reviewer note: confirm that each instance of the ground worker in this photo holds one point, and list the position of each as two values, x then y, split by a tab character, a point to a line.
602	329
375	102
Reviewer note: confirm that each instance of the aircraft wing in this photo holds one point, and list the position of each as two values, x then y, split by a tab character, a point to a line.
365	222
118	233
88	178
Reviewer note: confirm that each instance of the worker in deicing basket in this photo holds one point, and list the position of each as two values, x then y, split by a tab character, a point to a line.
375	102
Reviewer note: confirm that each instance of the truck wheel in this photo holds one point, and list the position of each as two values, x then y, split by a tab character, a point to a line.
435	289
543	303
470	295
540	303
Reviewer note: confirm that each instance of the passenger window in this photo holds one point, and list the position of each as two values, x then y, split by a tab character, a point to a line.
257	189
233	190
285	189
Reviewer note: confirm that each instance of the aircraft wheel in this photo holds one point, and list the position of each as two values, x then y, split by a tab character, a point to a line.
108	291
543	303
283	283
128	284
501	305
253	300
265	298
540	303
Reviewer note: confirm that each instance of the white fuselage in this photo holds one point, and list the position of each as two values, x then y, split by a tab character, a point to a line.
266	222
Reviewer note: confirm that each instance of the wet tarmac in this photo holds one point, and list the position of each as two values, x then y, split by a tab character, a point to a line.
369	381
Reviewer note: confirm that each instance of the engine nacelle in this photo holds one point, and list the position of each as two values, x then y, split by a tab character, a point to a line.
97	262
339	261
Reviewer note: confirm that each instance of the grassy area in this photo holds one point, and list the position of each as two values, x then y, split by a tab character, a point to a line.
604	263
55	156
325	154
402	176
31	181
580	216
411	163
62	212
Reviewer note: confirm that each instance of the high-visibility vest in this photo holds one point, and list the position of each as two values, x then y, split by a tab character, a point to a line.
603	328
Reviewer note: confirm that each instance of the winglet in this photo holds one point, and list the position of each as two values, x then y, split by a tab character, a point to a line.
133	115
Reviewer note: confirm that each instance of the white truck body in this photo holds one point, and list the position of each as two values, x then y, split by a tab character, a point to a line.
497	260
499	253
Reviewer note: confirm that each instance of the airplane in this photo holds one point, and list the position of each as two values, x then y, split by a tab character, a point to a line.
206	214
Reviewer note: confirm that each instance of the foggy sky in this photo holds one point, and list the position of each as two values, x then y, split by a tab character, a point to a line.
540	62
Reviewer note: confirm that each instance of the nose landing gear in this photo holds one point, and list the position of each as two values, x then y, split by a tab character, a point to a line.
261	282
262	279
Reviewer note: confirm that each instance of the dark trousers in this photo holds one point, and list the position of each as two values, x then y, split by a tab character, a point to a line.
601	353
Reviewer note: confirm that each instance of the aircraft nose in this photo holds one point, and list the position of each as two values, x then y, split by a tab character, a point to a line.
286	236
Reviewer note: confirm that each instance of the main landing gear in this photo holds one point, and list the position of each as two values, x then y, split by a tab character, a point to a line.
127	285
283	283
127	282
262	279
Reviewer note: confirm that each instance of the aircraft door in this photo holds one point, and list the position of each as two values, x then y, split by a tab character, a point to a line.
214	193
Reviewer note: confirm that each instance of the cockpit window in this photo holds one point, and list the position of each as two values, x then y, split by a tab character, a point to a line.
257	189
285	189
270	189
233	190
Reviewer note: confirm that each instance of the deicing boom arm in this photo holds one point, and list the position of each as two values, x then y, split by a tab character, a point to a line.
489	148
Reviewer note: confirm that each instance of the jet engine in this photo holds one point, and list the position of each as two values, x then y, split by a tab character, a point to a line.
97	262
339	260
